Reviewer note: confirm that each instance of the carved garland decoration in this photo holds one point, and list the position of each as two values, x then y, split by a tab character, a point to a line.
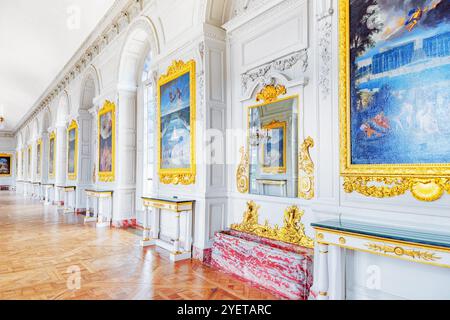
293	231
422	189
242	174
399	251
306	171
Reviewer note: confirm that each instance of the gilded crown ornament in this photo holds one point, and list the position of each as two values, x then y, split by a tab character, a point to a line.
271	93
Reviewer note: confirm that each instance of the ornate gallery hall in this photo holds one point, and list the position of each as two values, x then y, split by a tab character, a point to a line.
225	150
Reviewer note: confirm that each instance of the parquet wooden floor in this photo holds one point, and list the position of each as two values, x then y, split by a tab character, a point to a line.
49	255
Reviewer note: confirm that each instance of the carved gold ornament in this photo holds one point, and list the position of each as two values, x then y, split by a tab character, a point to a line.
176	176
270	93
242	174
306	171
426	182
399	251
383	187
293	231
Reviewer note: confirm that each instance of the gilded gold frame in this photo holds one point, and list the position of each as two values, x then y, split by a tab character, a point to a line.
185	176
427	182
72	175
109	176
275	125
7	155
39	158
22	163
51	174
30	161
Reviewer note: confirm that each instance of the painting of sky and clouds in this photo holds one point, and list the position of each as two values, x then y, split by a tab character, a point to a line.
400	81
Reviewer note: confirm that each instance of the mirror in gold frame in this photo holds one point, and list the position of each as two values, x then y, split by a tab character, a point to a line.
273	147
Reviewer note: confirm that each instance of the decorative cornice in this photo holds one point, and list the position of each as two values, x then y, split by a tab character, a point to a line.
263	74
87	52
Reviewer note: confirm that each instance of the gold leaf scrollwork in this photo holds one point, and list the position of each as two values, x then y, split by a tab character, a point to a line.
422	189
399	251
271	93
176	179
242	174
176	67
293	231
306	170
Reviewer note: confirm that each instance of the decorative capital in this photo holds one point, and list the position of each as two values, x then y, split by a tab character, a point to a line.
271	93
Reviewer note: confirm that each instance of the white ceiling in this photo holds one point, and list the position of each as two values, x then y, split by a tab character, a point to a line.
36	41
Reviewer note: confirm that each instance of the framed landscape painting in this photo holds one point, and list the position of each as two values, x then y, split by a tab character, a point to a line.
52	155
106	142
39	157
176	124
5	165
395	94
72	150
29	162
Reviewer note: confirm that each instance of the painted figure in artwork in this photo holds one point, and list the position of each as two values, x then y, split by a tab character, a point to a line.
51	156
38	151
106	143
400	81
72	142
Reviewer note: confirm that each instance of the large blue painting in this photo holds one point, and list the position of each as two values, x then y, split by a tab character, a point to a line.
176	123
399	81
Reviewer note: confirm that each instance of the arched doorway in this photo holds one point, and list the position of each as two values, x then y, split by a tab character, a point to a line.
135	90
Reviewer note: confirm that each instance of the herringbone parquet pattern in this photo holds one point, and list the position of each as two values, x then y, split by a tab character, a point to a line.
41	248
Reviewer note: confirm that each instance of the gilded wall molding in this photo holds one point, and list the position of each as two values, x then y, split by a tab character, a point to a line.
306	170
292	231
399	251
387	187
242	173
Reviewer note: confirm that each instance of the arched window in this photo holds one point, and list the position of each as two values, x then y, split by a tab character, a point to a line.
149	101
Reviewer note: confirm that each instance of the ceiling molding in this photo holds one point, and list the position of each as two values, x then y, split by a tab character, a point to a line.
117	19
